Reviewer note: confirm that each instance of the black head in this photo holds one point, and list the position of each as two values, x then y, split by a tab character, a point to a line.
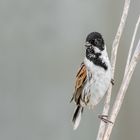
95	39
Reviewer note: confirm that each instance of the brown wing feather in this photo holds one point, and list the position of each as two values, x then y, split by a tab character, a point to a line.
80	77
80	80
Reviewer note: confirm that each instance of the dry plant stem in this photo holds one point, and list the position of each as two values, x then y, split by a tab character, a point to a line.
113	62
118	35
122	91
131	46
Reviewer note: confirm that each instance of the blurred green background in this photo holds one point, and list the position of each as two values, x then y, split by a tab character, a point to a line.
41	48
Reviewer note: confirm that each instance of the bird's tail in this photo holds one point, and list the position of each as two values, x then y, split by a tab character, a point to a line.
77	117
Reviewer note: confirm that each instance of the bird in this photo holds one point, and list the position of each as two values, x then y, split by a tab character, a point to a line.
93	77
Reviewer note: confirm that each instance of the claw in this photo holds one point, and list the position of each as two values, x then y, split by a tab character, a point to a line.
112	81
104	118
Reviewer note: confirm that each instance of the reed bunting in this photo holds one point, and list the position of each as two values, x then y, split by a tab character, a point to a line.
93	77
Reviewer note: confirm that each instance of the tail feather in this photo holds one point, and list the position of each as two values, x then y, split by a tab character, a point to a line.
77	117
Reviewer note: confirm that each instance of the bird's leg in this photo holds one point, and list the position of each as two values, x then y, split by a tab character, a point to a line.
104	118
112	81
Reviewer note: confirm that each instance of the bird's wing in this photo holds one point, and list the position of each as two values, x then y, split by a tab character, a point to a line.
79	84
80	77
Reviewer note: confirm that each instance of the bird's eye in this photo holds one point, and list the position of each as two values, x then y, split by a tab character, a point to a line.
96	42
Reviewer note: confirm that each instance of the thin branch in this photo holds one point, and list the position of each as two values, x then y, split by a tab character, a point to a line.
131	46
113	63
122	91
118	35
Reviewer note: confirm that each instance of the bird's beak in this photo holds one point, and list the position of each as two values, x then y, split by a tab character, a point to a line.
87	44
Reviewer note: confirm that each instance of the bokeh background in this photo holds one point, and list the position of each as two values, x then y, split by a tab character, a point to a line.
41	48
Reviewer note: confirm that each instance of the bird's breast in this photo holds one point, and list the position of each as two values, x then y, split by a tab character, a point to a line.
99	82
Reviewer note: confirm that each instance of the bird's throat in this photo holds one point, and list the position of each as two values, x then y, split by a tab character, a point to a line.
96	58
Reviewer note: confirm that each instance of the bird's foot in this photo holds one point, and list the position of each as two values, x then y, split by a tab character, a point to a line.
112	81
104	118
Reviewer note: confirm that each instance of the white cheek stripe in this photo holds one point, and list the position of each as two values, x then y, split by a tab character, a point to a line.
97	50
